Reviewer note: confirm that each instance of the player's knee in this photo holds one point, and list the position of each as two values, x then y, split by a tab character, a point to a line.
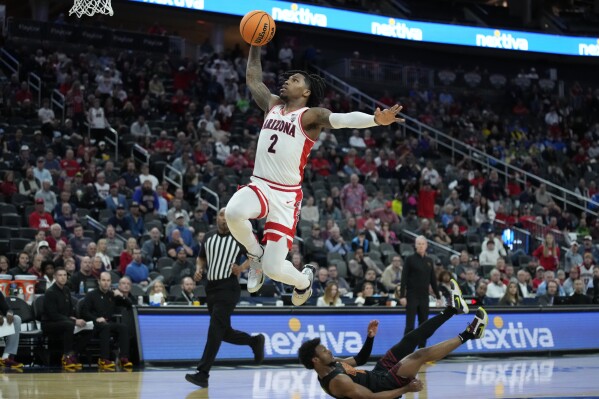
421	353
233	213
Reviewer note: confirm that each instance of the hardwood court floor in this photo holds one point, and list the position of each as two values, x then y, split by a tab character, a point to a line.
530	377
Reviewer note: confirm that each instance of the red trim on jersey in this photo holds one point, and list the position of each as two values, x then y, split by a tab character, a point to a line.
304	158
276	236
271	108
298	200
279	186
299	121
262	199
280	228
279	231
290	112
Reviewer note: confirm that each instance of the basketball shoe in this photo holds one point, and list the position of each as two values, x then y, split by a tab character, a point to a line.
255	275
478	325
10	362
125	363
257	346
200	379
456	300
300	297
106	364
70	362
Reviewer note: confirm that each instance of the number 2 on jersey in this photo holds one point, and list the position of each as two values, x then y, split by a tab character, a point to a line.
274	138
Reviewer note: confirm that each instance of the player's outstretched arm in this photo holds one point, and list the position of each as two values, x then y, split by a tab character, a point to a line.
323	118
343	387
364	354
253	77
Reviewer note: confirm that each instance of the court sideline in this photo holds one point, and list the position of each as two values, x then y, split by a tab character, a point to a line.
465	378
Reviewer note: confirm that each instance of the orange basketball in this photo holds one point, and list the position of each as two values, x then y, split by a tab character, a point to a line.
257	28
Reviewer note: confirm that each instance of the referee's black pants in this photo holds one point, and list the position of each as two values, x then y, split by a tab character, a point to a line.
416	305
222	297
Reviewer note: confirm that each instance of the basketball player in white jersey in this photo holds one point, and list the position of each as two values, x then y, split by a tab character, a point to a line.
292	123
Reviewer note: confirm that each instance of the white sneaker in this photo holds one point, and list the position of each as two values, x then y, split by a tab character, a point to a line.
456	299
255	275
300	297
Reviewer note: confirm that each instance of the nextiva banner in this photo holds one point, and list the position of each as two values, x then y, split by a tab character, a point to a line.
344	333
351	21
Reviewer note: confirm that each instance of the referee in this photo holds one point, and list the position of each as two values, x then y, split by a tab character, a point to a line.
417	274
220	255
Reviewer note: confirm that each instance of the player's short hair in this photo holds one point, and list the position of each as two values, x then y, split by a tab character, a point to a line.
316	85
307	351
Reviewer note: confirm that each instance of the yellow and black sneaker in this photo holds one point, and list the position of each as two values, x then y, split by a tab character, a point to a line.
11	363
70	363
106	364
478	325
456	300
125	363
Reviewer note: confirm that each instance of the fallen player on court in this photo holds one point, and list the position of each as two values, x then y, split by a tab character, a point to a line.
395	373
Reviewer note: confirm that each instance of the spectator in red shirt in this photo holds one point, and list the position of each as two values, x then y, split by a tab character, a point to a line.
69	164
426	201
40	219
236	160
368	140
250	157
198	155
369	168
548	253
353	154
514	189
55	236
179	103
8	186
320	165
23	94
164	145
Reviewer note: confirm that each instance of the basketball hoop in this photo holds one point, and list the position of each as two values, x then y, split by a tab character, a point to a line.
91	7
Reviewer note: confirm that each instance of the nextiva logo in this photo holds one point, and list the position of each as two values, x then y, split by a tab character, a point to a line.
396	29
502	41
299	15
589	49
514	375
191	4
513	337
290	383
288	343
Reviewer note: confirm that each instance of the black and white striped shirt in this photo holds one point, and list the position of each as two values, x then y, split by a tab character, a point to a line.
220	251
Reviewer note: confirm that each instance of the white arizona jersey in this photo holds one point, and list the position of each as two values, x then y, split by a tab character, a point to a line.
586	275
283	147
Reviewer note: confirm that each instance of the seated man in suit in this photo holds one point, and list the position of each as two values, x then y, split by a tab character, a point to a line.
187	296
125	289
551	297
58	318
99	307
470	283
12	341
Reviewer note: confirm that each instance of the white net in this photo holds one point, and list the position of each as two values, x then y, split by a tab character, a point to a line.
91	7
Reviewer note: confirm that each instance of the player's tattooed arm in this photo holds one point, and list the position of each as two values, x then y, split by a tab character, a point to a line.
316	118
264	98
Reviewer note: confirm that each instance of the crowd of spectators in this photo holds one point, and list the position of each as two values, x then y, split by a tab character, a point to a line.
363	189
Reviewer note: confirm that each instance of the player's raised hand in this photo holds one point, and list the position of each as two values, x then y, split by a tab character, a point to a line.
388	115
373	328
